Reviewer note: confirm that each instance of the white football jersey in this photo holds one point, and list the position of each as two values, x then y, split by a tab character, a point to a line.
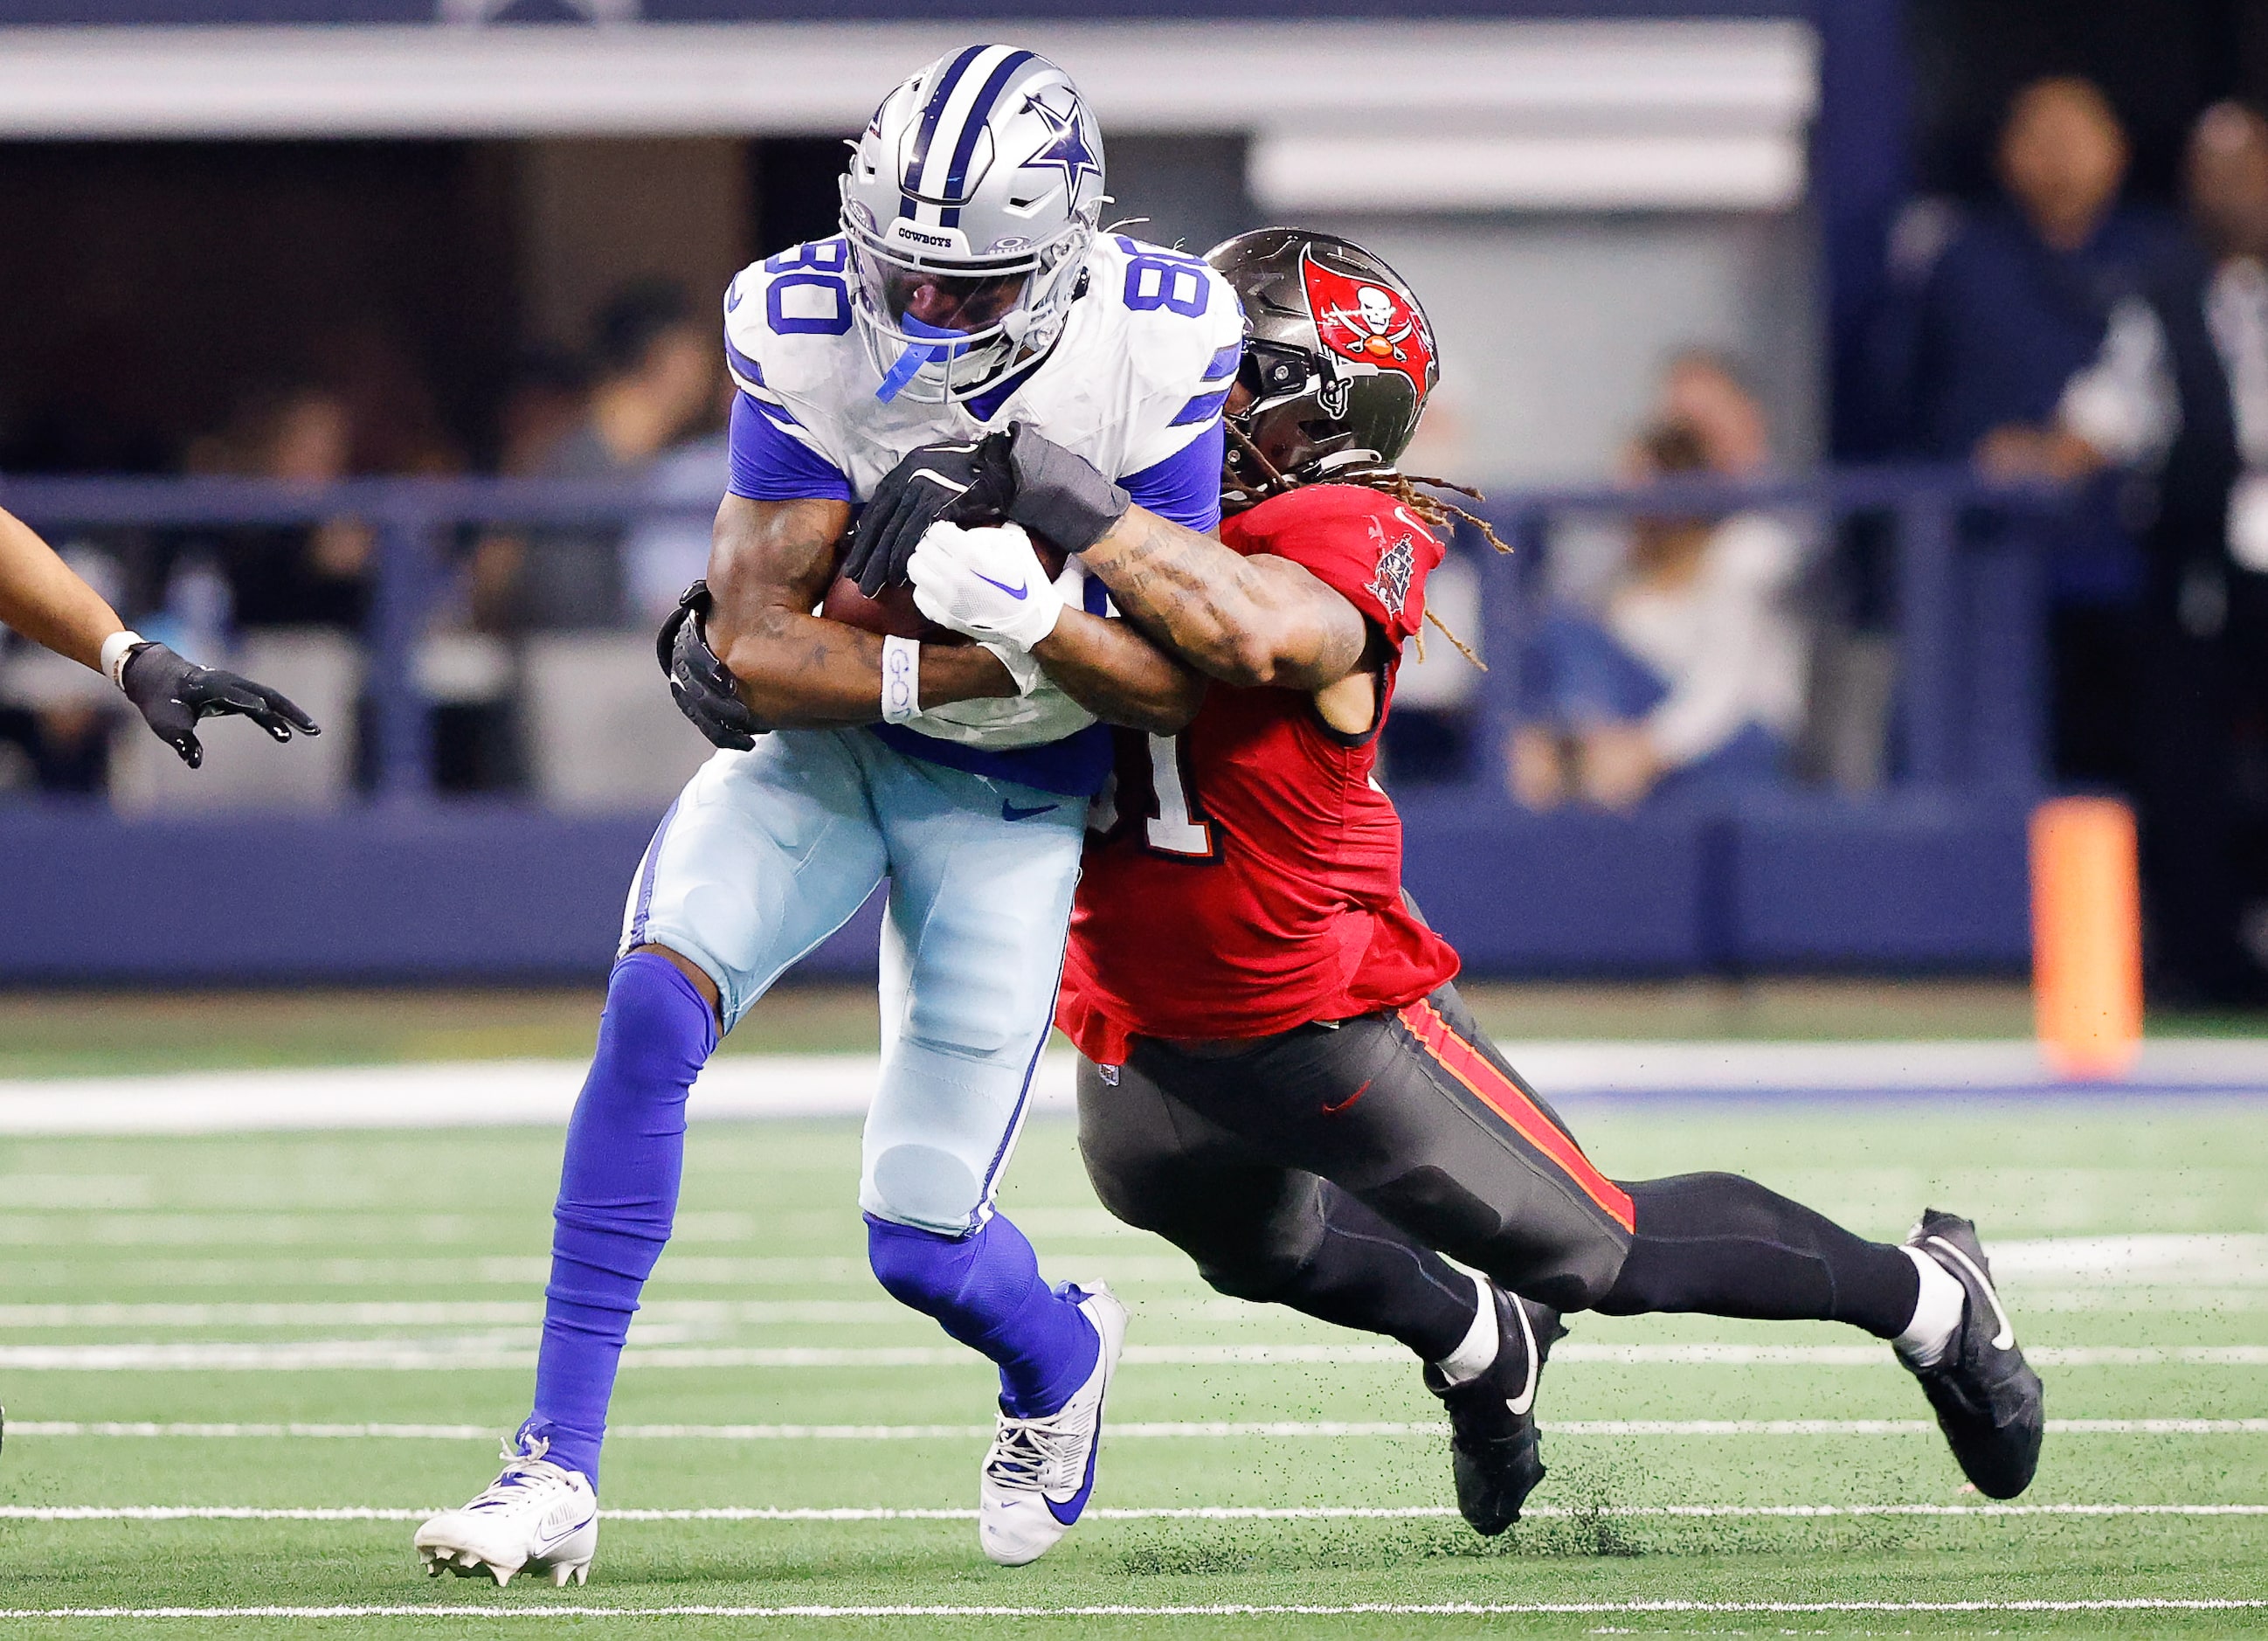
1143	366
1142	369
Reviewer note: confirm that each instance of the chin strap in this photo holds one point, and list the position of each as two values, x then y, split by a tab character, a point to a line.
943	345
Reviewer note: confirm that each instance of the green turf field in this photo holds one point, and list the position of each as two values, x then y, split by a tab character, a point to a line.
218	1269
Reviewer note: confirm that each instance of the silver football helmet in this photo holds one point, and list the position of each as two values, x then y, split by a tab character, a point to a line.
969	207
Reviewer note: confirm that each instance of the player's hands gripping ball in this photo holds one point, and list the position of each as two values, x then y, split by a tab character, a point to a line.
172	694
1017	475
701	684
988	583
963	484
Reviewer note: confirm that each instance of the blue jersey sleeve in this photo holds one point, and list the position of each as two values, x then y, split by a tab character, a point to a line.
1185	487
770	464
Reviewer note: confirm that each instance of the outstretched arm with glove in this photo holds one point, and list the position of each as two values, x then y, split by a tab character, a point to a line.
41	598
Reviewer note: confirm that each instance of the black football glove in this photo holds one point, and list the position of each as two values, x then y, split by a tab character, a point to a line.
964	483
1017	475
699	682
172	694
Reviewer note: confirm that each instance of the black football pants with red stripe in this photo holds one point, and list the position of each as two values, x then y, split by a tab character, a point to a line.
1330	1167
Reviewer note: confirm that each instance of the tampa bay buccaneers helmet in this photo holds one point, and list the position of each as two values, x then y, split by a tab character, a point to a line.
1338	360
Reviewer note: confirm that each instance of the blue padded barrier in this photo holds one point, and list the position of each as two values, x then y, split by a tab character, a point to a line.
1518	893
447	892
1906	880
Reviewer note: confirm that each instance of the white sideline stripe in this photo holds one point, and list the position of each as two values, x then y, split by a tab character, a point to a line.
1155	1429
475	1093
2156	1271
424	1314
1446	1609
481	1093
1193	1512
428	1355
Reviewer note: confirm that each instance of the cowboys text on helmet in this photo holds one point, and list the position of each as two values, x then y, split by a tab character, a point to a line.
969	206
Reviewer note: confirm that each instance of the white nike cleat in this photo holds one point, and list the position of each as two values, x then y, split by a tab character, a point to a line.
1040	1472
535	1515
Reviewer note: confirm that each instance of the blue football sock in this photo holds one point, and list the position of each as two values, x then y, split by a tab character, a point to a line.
985	1290
618	1196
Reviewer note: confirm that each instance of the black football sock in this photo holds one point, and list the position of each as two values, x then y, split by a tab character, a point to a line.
1367	1275
1723	1245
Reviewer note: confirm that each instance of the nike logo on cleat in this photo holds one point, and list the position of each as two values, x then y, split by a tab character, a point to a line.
1526	1399
1068	1511
1016	812
2006	1336
1016	592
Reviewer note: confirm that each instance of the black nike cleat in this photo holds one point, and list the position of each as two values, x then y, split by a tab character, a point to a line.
1988	1400
1493	1450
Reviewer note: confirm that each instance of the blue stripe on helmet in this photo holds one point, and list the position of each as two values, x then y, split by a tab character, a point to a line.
940	95
956	176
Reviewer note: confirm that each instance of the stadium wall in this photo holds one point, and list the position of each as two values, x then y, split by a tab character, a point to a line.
506	893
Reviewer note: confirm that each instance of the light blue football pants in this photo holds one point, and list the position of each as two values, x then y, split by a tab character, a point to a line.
768	852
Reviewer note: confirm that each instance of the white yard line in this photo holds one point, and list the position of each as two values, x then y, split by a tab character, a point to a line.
1193	1512
520	1092
476	1351
1397	1609
1198	1429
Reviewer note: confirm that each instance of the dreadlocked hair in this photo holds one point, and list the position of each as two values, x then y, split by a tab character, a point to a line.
1436	512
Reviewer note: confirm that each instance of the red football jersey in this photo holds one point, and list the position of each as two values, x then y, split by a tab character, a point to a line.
1251	878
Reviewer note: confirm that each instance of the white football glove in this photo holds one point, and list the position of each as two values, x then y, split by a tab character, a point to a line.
986	583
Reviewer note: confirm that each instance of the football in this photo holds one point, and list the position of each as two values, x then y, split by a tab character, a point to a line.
893	612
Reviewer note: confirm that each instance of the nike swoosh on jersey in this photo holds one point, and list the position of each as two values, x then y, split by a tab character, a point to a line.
1016	592
1016	812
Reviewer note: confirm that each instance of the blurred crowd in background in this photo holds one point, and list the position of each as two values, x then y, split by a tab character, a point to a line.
643	403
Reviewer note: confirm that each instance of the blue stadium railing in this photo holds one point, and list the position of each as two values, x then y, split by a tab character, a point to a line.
1967	603
1929	874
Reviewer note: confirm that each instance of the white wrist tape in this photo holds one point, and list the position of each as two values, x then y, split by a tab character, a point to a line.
901	680
116	649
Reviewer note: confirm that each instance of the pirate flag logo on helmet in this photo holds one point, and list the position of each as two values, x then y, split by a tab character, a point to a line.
1366	323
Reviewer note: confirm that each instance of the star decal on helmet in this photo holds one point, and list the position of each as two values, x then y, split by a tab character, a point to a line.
1068	152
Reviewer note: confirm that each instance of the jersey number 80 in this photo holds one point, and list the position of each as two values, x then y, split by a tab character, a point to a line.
1158	279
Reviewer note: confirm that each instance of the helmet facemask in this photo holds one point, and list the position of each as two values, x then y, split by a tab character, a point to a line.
1291	425
945	329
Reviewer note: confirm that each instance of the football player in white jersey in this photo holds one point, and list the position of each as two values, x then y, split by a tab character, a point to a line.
43	599
970	292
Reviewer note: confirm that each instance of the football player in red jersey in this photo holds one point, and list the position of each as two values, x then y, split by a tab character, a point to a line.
1280	1077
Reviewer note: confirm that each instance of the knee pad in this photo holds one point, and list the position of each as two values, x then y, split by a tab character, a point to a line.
924	1186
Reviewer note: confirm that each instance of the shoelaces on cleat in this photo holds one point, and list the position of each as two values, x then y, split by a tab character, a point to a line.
526	1477
1034	1455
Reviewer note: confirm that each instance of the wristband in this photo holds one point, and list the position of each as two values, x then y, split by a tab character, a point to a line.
901	680
116	650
